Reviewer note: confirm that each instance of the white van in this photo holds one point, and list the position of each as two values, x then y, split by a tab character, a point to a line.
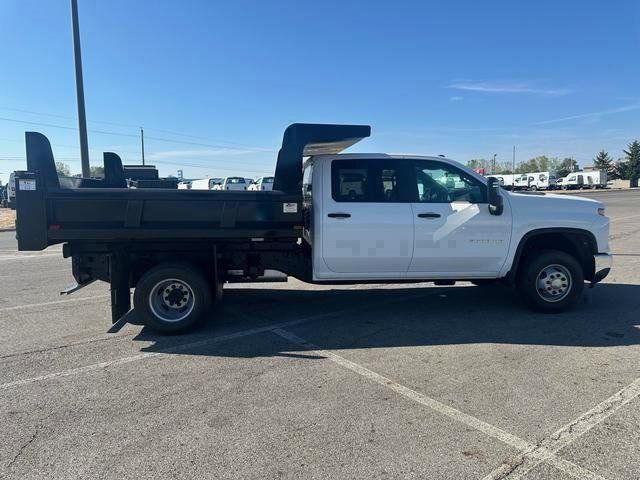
542	181
573	181
595	179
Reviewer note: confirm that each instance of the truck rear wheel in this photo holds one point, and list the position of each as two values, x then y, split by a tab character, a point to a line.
550	281
172	297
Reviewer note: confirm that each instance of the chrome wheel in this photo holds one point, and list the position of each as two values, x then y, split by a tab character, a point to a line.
171	300
553	283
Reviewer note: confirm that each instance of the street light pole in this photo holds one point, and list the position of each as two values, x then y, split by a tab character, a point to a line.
142	142
82	119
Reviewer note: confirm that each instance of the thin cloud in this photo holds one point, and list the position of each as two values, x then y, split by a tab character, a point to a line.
507	87
456	99
626	108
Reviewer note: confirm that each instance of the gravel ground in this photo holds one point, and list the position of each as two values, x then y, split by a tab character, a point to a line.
7	218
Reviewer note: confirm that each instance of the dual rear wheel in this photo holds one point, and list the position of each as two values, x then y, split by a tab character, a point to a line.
173	297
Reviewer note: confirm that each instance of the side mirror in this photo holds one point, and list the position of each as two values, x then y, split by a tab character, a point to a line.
496	205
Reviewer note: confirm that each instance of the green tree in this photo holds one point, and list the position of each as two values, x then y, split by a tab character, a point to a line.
478	163
632	156
95	171
504	168
541	163
620	169
604	162
566	166
63	169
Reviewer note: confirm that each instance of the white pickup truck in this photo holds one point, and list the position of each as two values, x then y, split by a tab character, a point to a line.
382	218
341	218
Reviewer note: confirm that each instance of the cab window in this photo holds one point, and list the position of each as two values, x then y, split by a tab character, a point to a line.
366	180
443	183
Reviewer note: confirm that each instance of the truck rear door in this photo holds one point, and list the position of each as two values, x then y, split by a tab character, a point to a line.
367	225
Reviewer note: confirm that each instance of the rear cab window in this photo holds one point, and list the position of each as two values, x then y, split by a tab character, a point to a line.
368	180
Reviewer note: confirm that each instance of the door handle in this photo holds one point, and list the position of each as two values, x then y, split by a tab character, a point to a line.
339	215
429	215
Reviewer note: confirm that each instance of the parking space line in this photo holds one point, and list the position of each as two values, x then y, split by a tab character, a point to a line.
570	432
529	450
200	343
54	302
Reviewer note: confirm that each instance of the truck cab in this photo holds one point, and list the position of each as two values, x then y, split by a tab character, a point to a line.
381	217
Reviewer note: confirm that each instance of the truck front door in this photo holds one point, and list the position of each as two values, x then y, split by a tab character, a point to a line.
367	224
455	235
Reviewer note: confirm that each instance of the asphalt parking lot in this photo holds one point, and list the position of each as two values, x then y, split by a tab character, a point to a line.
299	381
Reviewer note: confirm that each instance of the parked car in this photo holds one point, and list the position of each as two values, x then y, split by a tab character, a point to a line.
232	183
262	183
205	184
3	196
11	191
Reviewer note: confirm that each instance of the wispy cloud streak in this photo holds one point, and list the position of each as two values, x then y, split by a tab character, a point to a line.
508	87
626	108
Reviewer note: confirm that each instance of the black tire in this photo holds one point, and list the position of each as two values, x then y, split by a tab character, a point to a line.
534	188
172	297
560	274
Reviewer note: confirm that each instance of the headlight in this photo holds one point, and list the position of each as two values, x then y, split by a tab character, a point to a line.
601	211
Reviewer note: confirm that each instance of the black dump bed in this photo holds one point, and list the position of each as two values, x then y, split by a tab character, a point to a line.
52	210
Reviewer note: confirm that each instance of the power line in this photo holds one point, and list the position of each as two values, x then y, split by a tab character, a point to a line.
129	135
124	125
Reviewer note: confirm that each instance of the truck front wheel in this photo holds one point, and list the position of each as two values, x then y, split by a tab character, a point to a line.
172	297
550	281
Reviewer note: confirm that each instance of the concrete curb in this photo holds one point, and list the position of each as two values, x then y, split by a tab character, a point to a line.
601	190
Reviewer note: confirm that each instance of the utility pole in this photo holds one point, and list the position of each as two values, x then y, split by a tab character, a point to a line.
513	161
142	140
82	119
493	164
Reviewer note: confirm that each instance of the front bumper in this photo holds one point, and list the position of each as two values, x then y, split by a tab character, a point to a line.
603	262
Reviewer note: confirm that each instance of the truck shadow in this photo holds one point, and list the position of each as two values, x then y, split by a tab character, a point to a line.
375	317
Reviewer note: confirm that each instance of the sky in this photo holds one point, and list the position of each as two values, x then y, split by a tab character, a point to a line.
215	83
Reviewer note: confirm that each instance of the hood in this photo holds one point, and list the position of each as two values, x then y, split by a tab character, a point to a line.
553	205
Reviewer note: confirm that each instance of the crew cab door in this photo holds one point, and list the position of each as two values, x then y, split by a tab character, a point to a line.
367	223
455	235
